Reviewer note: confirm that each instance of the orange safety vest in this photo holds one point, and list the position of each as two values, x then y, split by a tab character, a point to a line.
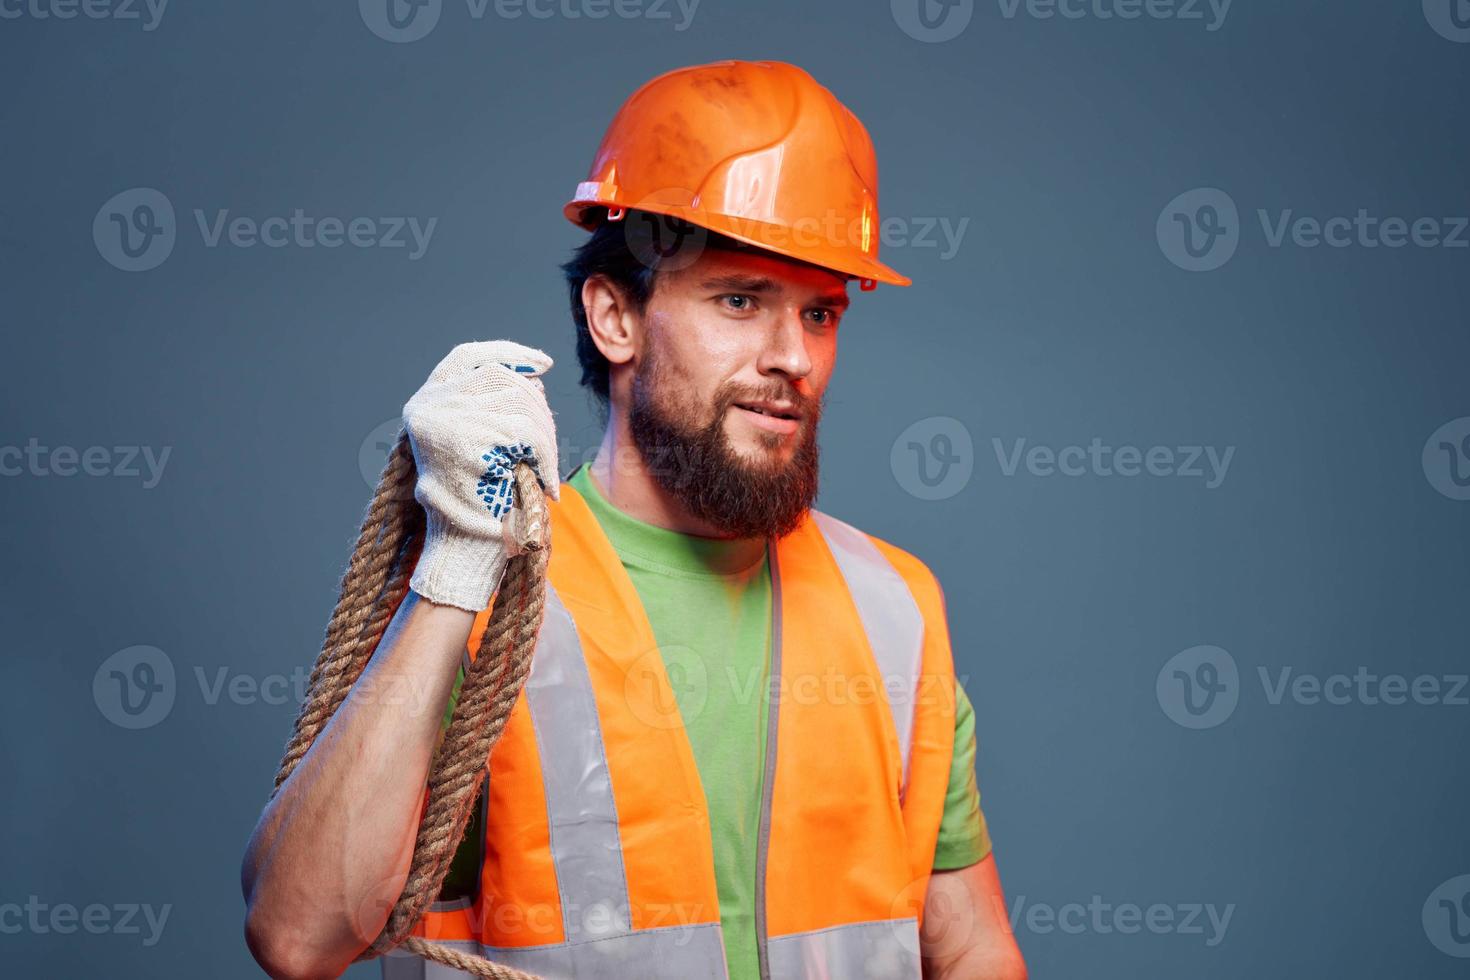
597	858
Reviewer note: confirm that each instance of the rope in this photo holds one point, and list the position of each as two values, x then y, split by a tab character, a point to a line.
373	587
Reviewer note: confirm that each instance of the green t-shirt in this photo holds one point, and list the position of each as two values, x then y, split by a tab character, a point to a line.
708	601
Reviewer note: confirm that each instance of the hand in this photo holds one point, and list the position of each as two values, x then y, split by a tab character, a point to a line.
482	410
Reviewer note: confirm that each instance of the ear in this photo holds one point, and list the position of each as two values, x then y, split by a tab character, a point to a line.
611	320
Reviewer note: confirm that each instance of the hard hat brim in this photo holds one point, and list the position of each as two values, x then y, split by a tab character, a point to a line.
792	243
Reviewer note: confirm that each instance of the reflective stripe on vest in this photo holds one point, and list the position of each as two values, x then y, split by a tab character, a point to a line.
581	814
890	616
692	953
599	892
861	951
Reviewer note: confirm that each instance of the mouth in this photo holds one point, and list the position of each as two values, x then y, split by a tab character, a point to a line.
770	416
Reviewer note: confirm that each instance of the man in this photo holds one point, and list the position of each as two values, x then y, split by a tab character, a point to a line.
741	751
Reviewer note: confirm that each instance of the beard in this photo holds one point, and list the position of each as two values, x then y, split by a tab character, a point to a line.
695	464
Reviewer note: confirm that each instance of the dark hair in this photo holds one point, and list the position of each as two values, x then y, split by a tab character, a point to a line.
606	253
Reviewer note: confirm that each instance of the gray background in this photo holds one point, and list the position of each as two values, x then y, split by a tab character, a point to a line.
1327	548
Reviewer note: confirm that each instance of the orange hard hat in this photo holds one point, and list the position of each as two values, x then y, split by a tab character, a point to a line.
758	151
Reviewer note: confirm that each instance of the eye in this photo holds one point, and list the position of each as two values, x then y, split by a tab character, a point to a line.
823	316
738	302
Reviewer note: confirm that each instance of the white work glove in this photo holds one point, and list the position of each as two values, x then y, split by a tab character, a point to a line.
482	410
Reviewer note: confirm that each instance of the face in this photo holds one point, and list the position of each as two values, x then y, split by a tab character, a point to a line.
727	389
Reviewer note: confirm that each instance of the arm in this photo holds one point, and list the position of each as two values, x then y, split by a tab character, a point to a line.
331	851
966	935
330	854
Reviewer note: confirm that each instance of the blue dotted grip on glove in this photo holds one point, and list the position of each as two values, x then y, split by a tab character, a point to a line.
495	487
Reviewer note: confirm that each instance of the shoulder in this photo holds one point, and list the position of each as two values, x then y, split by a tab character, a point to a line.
922	582
907	591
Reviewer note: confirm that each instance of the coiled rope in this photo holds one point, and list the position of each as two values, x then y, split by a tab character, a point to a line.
373	587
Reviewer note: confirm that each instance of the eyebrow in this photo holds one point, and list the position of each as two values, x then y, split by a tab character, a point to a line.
765	284
744	283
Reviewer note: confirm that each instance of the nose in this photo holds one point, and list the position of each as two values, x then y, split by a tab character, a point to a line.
785	351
